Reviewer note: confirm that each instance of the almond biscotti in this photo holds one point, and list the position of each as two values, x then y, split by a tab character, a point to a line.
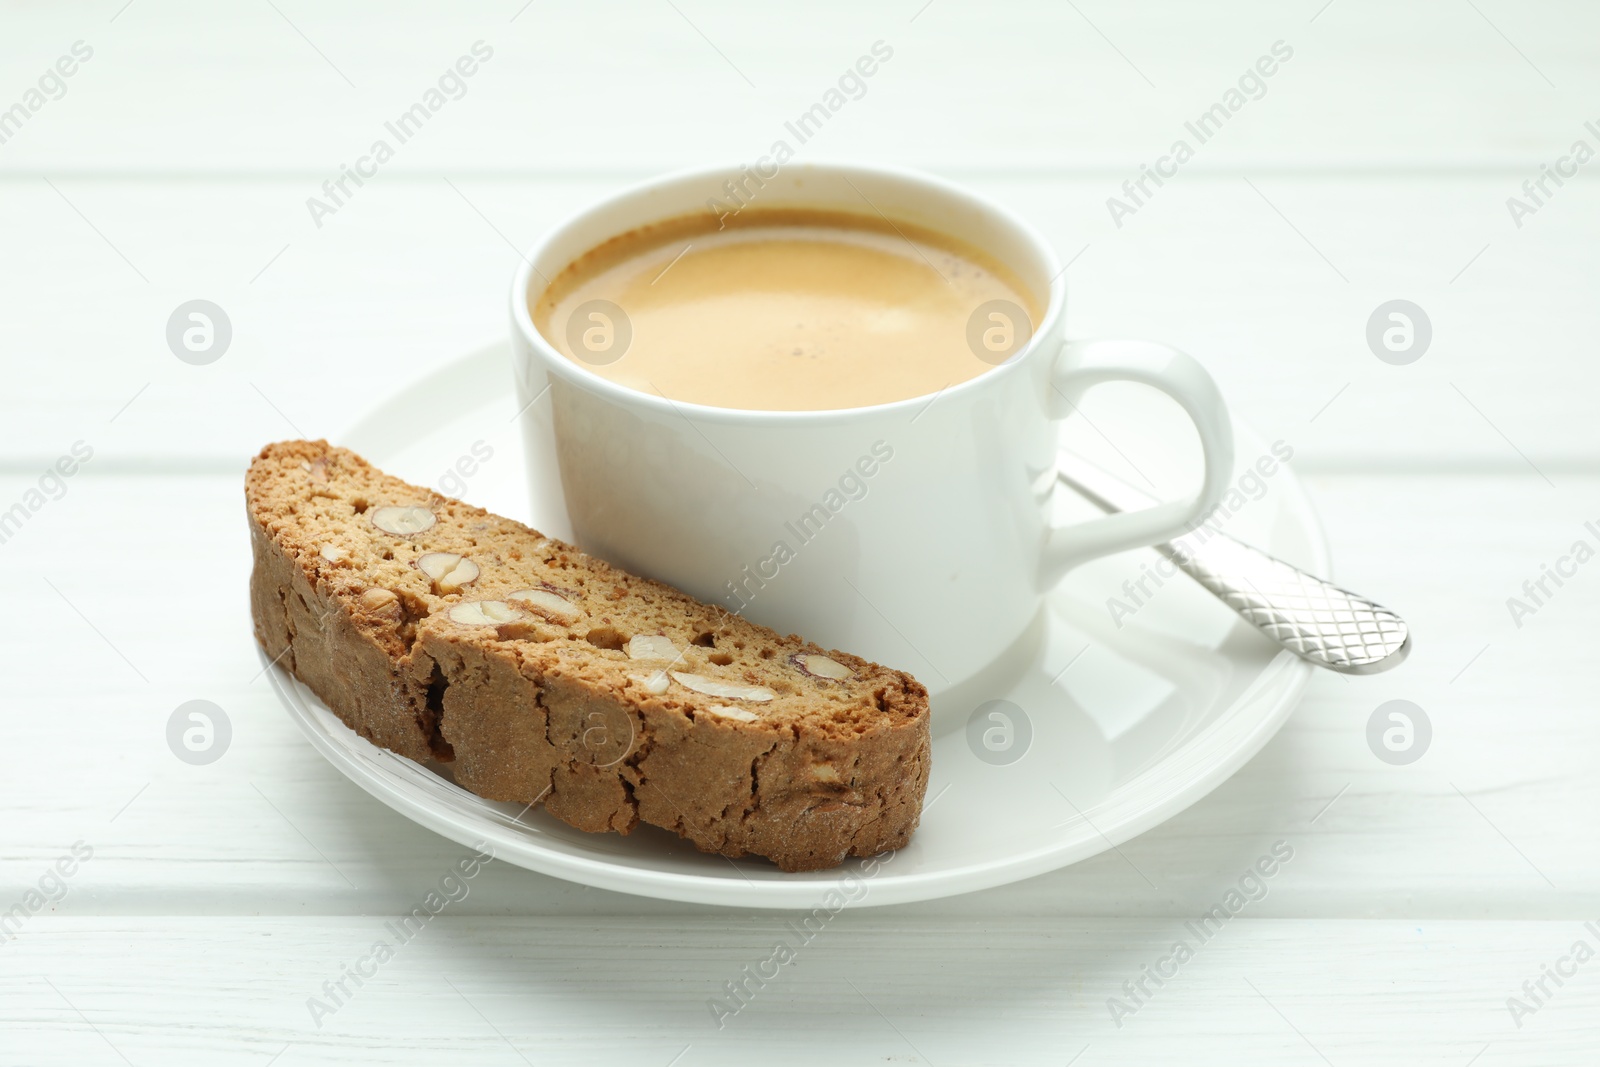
443	632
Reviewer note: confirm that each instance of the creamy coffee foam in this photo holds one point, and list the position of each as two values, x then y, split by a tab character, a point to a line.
784	310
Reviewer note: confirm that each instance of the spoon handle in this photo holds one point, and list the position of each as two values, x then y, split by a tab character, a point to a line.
1316	620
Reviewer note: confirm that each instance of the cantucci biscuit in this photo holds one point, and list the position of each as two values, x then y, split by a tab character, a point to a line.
545	675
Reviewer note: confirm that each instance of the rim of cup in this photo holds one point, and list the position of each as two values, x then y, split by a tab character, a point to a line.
558	363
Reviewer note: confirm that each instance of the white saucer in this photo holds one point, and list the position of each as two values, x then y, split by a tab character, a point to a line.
1128	725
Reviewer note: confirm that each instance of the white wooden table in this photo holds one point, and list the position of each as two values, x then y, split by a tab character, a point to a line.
176	164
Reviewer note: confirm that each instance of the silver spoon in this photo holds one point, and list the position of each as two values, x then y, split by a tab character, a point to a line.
1316	620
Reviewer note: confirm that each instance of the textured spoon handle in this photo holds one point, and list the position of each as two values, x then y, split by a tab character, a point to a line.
1317	620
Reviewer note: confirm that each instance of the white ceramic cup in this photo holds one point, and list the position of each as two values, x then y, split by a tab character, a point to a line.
915	533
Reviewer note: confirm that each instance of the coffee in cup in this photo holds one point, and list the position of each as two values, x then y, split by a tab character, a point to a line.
782	309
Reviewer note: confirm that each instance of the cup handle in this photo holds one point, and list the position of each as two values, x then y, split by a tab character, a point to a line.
1083	364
